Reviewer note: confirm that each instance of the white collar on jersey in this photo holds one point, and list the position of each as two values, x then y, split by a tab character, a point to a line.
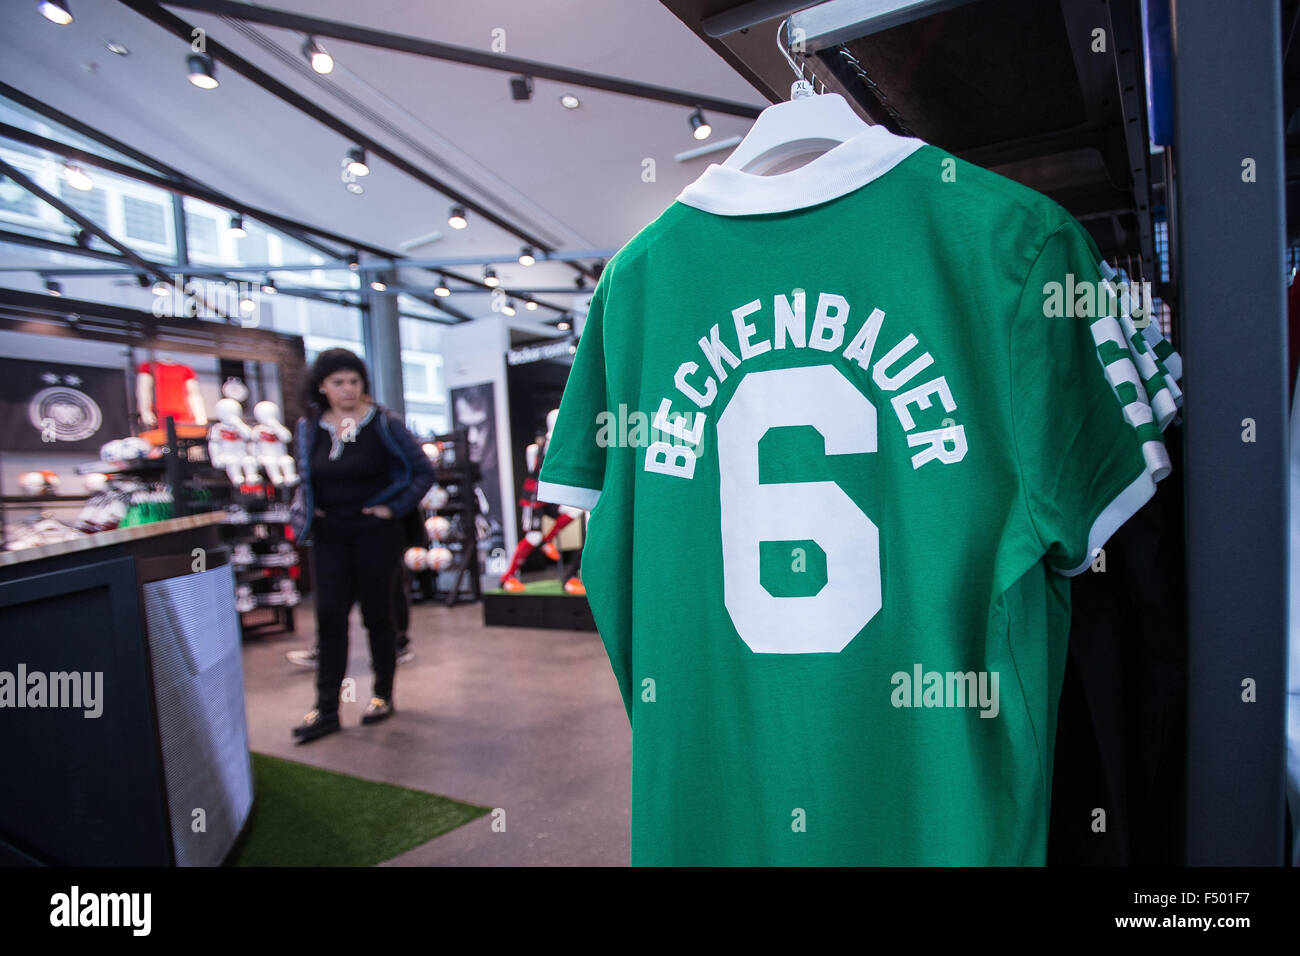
850	165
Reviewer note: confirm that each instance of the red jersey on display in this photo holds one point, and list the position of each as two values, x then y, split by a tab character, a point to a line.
169	389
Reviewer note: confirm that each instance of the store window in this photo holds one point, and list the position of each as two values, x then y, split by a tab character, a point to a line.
145	219
415	378
93	204
16	201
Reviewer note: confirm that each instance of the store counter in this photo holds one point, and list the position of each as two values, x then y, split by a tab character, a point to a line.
122	723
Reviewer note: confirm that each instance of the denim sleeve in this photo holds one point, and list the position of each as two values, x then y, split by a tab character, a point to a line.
421	469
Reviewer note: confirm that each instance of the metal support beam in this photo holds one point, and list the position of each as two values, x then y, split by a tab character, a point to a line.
829	24
327	118
381	331
148	268
22	239
182	185
1231	206
456	54
178	181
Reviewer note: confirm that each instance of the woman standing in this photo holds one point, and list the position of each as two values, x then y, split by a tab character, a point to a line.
362	472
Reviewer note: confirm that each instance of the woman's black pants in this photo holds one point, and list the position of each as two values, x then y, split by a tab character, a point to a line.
355	559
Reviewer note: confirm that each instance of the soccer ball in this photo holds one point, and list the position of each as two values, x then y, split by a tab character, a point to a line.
39	482
417	559
133	448
439	559
434	451
439	528
95	482
436	499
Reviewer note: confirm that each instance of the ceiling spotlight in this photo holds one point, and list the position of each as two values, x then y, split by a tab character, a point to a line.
357	162
521	87
457	219
572	349
526	256
562	326
246	303
237	226
116	48
379	286
53	287
56	11
203	72
580	282
699	128
161	289
76	177
509	307
490	278
268	286
354	263
442	289
83	238
569	101
530	305
320	61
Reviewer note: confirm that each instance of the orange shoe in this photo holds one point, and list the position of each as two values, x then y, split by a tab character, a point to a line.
512	583
551	551
575	586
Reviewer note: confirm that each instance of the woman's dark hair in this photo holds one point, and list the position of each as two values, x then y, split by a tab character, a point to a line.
326	364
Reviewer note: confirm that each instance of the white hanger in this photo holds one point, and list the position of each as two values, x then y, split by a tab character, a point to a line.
809	123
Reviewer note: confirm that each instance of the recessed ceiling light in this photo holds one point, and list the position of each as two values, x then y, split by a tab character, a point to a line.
569	101
56	11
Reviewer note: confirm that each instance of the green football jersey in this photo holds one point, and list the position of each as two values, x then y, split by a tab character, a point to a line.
845	433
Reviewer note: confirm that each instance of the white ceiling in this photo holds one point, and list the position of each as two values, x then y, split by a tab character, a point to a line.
572	176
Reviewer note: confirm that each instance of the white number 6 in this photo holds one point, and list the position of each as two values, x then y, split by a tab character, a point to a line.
826	622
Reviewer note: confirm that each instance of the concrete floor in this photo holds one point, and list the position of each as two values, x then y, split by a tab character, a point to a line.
528	721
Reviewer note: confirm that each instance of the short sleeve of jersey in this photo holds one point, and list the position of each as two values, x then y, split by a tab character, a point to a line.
573	471
1089	448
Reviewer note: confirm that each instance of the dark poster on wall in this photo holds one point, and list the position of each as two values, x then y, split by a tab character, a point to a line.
49	405
474	409
534	389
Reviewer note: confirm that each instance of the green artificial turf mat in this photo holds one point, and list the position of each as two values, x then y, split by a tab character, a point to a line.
304	816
